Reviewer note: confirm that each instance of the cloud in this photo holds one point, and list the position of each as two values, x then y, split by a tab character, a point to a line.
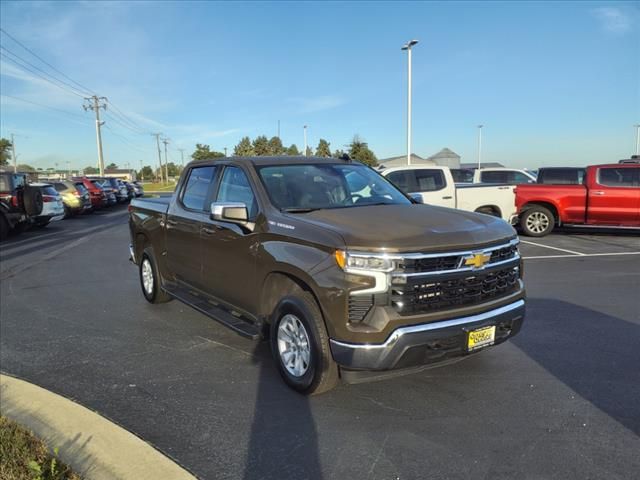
613	20
316	104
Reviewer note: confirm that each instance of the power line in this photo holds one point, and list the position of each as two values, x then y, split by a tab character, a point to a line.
6	57
122	115
45	106
122	124
125	141
44	61
24	60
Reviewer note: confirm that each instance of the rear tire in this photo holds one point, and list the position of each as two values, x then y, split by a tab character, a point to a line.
489	211
537	221
42	223
150	279
300	345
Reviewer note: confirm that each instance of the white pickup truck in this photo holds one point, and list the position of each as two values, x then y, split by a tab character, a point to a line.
435	186
507	176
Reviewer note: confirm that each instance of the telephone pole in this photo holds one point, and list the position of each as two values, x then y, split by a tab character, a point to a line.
480	146
157	135
305	141
225	151
93	103
182	156
166	162
13	154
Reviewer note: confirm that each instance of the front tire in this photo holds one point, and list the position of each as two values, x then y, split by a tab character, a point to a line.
150	279
537	221
300	345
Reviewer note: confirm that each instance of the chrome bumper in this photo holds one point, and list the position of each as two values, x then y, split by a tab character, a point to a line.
429	342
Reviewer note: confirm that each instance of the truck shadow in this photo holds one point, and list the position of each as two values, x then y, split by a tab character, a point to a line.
594	354
283	441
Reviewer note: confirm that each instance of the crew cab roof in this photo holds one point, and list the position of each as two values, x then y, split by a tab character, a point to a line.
272	160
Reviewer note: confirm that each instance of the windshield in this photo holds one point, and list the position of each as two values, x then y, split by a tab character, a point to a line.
317	186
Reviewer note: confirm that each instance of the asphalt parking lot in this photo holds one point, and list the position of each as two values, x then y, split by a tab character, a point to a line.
561	400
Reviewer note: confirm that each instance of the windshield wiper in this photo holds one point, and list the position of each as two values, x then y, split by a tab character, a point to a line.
298	210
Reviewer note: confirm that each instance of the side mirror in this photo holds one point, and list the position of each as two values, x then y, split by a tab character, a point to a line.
417	197
235	212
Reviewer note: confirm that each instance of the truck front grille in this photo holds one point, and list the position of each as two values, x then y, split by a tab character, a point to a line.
425	294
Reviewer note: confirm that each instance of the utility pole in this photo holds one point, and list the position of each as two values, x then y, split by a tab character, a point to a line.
407	46
69	167
166	162
182	155
637	139
278	129
225	151
305	140
93	103
141	174
13	154
157	135
480	145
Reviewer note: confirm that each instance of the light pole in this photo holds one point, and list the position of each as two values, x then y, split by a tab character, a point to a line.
305	140
480	145
637	139
407	46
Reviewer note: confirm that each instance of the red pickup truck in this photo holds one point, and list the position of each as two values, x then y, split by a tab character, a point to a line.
608	197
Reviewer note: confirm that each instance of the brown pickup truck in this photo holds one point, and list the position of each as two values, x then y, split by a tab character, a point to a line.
342	272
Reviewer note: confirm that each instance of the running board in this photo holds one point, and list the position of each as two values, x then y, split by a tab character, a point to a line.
215	311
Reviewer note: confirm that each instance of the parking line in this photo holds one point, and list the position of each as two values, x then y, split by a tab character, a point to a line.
552	248
584	255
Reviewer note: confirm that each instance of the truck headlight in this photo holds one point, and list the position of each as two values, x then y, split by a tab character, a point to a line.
360	261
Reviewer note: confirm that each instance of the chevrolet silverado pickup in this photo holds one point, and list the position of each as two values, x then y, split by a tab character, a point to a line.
609	196
341	271
435	185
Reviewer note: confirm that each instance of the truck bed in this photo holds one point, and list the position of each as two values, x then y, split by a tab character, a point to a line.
157	205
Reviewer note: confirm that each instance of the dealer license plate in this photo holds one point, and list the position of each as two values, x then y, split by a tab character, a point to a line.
481	338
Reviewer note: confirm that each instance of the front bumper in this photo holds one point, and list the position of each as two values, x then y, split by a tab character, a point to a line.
428	343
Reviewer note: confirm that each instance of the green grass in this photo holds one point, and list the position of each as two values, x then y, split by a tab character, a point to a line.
159	187
23	456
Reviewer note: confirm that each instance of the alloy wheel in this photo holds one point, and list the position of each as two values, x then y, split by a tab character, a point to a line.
293	345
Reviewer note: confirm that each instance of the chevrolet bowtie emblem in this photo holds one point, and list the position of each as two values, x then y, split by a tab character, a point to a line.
477	260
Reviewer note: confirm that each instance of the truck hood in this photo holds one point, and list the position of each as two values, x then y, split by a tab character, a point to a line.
403	228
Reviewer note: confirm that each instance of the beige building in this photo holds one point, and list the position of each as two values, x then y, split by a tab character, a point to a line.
445	158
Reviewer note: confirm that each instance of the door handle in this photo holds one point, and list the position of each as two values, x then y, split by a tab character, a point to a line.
448	197
598	192
208	231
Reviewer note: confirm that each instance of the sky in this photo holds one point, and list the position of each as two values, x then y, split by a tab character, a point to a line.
553	83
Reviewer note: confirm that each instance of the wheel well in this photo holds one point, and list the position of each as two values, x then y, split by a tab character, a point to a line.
549	206
141	242
493	209
278	285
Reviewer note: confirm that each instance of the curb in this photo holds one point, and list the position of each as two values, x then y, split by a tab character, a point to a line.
96	448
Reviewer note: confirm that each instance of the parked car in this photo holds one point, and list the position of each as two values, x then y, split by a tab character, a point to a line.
139	189
608	197
52	205
561	176
19	203
131	191
435	186
97	195
508	176
75	198
108	190
122	192
346	273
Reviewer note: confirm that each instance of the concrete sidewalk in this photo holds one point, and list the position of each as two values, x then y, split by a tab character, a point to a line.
94	447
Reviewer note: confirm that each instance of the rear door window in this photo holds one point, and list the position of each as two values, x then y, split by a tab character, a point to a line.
518	177
235	187
429	180
494	177
619	177
194	194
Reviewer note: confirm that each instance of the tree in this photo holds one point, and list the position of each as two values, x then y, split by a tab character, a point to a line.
111	166
146	173
25	168
323	149
261	146
293	150
90	170
203	152
5	151
338	153
174	170
359	150
275	146
309	152
244	148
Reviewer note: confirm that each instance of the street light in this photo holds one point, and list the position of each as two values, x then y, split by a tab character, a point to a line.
637	139
407	46
479	145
